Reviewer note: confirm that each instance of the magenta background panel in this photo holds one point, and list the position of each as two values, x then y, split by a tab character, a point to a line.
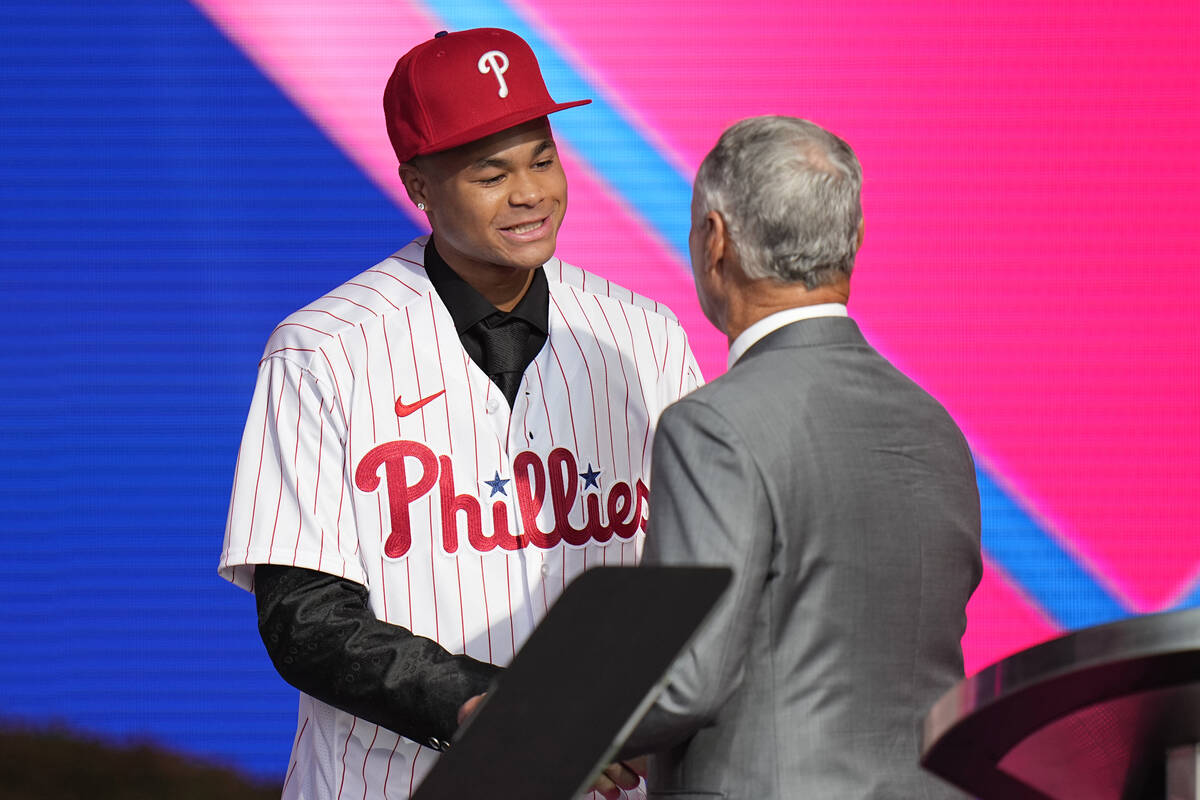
1031	187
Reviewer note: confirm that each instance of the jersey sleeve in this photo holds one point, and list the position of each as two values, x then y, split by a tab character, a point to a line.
291	497
681	374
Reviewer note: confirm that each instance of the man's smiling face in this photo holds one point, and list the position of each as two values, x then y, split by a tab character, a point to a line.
497	202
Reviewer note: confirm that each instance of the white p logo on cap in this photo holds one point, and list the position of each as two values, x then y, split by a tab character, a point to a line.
496	62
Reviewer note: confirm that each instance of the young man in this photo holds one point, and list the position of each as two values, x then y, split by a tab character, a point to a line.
438	446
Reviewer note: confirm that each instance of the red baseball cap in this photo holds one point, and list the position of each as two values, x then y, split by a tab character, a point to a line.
459	87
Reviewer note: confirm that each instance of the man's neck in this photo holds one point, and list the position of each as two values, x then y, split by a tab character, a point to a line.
759	299
502	286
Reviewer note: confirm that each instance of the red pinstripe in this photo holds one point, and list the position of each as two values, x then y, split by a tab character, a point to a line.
545	600
437	626
466	360
641	388
327	313
366	755
462	614
375	438
316	492
425	435
397	280
283	325
437	342
512	625
387	773
412	778
336	386
299	738
376	291
279	499
341	500
345	299
387	347
410	261
612	446
370	393
666	345
291	769
285	350
684	369
486	612
408	582
583	360
345	750
649	339
346	355
262	447
624	377
296	464
545	406
570	408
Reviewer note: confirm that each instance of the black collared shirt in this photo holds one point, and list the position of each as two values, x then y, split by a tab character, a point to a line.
527	325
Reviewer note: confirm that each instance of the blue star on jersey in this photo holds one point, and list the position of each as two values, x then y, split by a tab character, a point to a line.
497	484
591	477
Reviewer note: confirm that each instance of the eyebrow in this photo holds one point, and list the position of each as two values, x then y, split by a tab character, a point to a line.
504	163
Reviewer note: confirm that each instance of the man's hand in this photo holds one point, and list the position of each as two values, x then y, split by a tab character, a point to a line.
468	708
613	779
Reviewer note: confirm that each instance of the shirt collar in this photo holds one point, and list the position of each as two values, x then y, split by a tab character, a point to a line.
773	322
467	306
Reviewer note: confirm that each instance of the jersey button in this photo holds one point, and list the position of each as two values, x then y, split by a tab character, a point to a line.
545	570
493	405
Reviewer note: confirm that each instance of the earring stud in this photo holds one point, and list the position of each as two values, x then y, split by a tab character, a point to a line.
420	206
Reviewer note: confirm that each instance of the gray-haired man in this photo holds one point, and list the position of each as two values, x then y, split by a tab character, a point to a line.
841	493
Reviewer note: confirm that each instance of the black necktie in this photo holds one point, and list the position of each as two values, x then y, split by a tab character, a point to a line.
504	358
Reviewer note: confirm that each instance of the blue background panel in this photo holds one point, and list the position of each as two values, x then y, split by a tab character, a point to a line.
162	207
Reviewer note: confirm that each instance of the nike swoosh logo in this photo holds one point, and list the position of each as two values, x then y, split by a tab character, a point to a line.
404	409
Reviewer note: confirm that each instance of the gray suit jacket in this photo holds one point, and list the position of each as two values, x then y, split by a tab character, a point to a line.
844	498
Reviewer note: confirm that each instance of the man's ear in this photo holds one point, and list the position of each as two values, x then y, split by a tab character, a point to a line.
716	243
415	183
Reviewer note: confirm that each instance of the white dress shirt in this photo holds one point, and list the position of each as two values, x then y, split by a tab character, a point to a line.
774	322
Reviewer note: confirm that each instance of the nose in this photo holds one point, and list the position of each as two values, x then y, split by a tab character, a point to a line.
526	189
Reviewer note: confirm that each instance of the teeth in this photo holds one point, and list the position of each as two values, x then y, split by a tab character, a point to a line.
526	228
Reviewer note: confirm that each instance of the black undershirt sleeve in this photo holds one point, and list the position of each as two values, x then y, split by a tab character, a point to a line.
324	639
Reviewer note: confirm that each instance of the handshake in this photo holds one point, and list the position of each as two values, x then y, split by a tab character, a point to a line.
626	774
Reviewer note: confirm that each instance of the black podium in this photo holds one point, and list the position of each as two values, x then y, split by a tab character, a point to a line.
1106	712
573	692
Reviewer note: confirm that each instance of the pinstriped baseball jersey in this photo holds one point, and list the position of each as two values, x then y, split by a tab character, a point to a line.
377	450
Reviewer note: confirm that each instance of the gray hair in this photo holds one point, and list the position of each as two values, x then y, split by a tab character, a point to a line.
788	191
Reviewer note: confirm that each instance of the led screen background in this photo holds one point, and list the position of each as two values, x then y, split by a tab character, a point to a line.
178	177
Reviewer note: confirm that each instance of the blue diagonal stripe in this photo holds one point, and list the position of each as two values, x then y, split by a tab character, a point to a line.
630	163
1192	598
1049	575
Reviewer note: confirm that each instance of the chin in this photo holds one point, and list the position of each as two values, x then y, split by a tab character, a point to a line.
532	257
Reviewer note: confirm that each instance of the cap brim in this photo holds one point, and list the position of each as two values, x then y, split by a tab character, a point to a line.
495	126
